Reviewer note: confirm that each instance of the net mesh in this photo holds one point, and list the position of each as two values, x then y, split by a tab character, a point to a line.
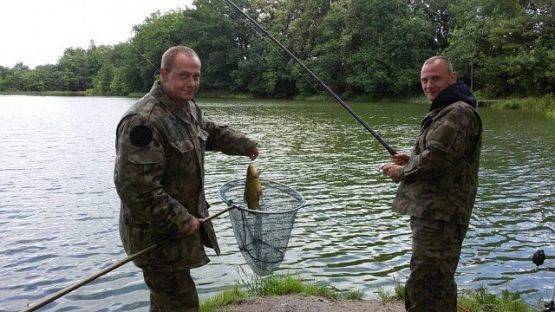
262	235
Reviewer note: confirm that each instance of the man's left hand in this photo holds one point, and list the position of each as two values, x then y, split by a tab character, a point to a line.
392	171
253	154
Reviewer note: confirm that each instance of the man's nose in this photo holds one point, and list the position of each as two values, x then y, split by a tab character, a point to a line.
190	81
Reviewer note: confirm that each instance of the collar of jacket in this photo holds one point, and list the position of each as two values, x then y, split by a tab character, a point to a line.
185	111
454	93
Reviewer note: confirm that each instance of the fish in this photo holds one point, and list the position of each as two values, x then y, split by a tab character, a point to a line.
253	188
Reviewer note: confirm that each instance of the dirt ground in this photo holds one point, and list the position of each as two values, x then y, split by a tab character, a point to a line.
294	303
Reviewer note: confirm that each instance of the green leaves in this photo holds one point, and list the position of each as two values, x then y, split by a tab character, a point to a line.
367	48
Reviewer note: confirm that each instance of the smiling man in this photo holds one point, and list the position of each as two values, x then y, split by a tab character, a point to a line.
438	186
159	177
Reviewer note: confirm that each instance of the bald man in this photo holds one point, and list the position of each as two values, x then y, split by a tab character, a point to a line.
438	184
159	177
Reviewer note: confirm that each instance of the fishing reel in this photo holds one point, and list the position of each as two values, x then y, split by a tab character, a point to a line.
539	258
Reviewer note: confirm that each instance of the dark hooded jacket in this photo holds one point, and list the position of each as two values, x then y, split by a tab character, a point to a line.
441	177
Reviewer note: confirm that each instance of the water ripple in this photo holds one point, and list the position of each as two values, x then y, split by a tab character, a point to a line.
59	209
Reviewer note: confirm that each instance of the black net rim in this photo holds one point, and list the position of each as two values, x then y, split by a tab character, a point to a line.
291	192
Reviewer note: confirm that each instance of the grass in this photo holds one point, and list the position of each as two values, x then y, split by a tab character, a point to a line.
274	286
387	296
483	301
544	104
475	300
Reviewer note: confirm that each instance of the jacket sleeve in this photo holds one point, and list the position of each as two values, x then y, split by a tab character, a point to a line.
224	139
446	146
140	163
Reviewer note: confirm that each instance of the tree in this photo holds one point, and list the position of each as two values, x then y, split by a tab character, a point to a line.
74	69
388	42
505	45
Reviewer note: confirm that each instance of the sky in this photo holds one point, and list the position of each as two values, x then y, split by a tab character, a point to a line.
37	32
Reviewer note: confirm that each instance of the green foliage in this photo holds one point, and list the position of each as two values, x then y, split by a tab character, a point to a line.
225	298
397	295
74	69
360	48
478	300
274	285
283	285
388	42
503	47
544	104
481	300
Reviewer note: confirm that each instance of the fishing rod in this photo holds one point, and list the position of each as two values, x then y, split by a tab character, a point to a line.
91	278
313	75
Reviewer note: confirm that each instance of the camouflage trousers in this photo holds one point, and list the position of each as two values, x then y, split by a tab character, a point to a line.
436	248
171	291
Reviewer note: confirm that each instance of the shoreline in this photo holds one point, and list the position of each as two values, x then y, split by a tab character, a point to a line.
543	104
304	303
277	293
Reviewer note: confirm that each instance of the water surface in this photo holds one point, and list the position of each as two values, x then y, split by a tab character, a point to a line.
59	209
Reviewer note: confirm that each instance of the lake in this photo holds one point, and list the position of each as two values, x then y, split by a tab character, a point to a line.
59	209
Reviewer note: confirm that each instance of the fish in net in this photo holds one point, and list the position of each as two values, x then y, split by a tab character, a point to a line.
262	234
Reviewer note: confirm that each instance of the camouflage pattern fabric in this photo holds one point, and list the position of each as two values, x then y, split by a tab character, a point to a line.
436	247
159	177
171	291
438	188
441	177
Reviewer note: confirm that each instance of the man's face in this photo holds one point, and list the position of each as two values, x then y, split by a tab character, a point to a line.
181	82
435	77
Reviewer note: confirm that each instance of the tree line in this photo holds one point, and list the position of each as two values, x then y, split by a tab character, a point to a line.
359	47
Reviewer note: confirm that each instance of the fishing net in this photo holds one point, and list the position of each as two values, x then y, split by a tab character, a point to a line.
262	235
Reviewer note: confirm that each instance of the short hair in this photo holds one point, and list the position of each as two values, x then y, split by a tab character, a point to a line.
168	58
442	58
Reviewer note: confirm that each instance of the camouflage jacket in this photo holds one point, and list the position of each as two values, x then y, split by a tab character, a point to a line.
441	177
159	177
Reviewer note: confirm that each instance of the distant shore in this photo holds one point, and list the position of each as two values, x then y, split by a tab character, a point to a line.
544	104
46	93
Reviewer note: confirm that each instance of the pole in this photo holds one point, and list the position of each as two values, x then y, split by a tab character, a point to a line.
91	278
324	85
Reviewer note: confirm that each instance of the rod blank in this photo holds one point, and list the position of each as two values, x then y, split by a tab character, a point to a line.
311	73
91	278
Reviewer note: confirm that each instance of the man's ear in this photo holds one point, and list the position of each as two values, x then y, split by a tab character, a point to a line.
164	74
454	77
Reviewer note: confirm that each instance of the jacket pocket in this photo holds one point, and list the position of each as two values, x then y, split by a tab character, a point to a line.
183	146
145	158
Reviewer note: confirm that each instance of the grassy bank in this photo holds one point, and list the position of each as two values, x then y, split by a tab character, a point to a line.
544	104
479	300
274	286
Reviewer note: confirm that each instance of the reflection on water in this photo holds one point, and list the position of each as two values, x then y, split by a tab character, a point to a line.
59	209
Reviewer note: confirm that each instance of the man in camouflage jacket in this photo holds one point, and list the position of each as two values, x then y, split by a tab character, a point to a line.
438	186
159	177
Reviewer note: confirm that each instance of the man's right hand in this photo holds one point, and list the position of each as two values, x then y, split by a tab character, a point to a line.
400	159
194	226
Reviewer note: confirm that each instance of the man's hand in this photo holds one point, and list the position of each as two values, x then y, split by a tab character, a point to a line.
392	171
193	226
400	159
254	153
